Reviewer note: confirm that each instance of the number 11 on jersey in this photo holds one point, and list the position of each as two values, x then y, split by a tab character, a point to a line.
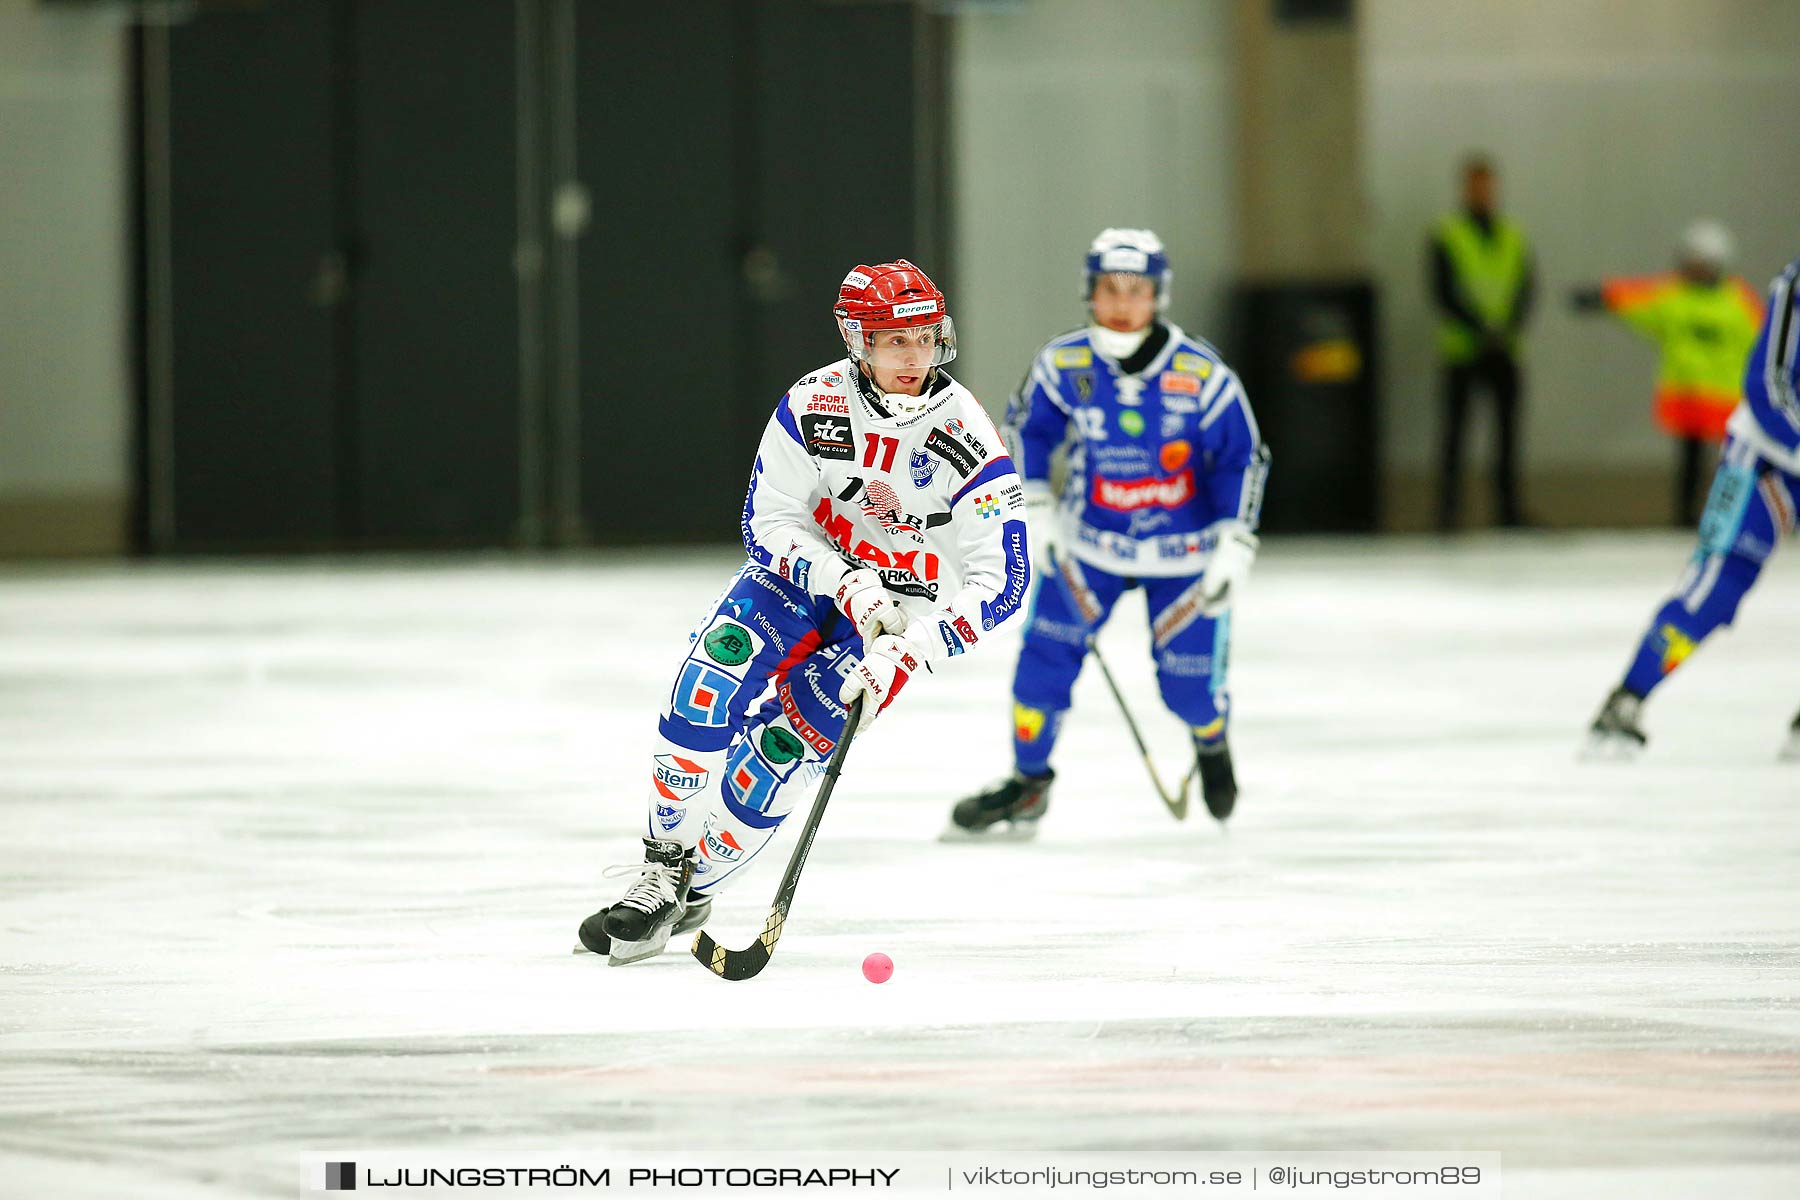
885	446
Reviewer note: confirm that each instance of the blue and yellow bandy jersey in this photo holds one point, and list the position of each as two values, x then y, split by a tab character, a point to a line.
1163	449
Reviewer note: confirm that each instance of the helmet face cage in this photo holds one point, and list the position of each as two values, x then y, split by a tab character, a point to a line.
860	338
1129	252
893	296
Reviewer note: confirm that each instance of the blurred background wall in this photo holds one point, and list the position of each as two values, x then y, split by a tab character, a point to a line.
1065	120
1613	124
65	295
542	272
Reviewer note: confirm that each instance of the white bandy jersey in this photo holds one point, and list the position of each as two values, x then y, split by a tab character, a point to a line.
930	501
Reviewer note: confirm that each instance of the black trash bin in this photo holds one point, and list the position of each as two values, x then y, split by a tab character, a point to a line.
1306	353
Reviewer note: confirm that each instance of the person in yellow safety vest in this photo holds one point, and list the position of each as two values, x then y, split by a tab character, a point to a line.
1483	281
1706	323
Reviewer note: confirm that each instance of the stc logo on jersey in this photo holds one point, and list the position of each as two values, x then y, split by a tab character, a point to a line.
1126	495
827	437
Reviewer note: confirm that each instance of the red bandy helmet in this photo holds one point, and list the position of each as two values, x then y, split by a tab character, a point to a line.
893	295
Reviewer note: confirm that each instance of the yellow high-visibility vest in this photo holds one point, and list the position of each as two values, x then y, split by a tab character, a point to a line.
1706	331
1489	273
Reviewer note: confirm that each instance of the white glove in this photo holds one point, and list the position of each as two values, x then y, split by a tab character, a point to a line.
866	602
878	678
1228	568
1040	524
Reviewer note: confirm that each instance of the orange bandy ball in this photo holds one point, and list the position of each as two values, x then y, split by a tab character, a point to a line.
878	968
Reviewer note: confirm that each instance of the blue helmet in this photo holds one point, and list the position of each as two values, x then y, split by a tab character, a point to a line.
1130	252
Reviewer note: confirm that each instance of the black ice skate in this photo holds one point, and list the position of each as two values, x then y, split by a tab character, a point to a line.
1218	785
657	905
1791	751
1009	811
1615	733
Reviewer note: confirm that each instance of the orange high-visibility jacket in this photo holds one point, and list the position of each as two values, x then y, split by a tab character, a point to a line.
1705	332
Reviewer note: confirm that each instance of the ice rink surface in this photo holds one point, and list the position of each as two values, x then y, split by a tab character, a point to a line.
294	854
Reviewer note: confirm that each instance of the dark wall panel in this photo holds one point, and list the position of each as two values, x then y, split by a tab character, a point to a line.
735	183
253	366
662	358
834	182
435	311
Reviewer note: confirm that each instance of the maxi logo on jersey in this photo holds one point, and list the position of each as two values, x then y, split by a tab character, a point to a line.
909	572
1124	495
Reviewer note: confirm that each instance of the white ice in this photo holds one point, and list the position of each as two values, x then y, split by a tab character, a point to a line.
294	855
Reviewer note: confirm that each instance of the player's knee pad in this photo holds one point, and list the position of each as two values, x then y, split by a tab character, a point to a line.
771	753
1193	659
1045	676
725	669
779	754
1192	698
1711	591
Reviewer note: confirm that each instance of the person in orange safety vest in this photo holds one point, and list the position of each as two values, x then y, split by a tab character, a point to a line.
1705	321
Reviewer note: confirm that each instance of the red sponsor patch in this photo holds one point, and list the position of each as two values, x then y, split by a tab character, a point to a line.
808	734
1180	381
1125	495
1175	455
920	564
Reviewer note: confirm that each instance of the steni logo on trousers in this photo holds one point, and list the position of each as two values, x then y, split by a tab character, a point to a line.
678	778
1124	495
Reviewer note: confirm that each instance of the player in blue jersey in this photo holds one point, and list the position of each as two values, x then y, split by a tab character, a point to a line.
1751	508
1163	488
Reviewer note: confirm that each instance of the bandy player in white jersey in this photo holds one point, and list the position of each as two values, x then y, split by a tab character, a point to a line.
886	535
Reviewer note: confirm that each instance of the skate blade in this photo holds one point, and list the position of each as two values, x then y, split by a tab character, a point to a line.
630	952
1004	831
1605	747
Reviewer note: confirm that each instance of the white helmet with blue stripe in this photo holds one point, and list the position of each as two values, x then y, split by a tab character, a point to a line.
1129	252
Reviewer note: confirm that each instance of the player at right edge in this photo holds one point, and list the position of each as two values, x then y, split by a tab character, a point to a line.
1750	509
